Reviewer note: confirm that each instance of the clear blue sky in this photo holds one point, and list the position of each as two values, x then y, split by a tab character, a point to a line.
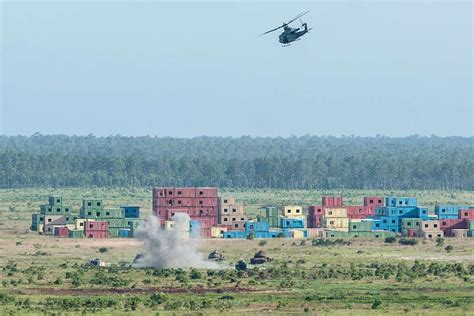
189	69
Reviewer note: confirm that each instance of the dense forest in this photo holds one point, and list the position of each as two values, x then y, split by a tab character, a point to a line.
296	162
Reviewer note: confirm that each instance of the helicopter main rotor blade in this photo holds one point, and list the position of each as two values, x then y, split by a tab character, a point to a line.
273	29
285	24
297	17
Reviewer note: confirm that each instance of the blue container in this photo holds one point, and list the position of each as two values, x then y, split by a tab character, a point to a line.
288	222
447	216
253	226
194	229
285	234
274	233
376	223
451	210
235	234
131	211
124	233
396	201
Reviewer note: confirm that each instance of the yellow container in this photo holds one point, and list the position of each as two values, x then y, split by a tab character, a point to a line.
71	226
169	225
238	225
227	201
297	234
335	212
80	222
426	226
336	222
217	232
292	211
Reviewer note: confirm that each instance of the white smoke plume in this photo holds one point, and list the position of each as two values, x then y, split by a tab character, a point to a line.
170	248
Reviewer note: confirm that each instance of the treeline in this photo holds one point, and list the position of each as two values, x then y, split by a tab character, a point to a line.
307	162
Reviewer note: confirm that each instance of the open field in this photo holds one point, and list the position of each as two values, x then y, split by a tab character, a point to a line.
41	274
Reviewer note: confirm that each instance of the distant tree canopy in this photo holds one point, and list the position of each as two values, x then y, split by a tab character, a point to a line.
307	162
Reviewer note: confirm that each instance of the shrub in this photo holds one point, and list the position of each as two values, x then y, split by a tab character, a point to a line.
439	241
390	240
376	304
195	274
103	249
251	236
262	243
449	248
408	242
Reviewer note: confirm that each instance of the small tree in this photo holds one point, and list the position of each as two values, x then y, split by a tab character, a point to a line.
449	248
251	236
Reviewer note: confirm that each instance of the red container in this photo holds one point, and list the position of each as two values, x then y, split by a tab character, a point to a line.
355	209
185	192
170	212
97	234
315	212
316	209
374	201
466	214
206	202
358	216
206	221
453	224
62	232
332	201
412	233
205	232
207	211
159	193
96	226
206	192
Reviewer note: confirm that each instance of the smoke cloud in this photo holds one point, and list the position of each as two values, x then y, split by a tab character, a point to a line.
170	248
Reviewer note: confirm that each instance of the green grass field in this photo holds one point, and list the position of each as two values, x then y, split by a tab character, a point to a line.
47	275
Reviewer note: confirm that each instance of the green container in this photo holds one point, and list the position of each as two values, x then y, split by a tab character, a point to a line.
114	232
335	234
92	204
272	211
55	200
470	233
36	219
76	234
383	234
117	222
360	226
134	223
102	213
55	209
411	223
470	224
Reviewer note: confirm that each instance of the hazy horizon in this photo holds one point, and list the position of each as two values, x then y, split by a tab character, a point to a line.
200	69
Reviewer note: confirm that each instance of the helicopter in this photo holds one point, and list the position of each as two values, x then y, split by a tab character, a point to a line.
291	34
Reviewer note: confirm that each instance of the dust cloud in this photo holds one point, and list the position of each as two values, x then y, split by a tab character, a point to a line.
170	248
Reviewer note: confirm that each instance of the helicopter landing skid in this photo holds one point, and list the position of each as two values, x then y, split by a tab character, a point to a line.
286	45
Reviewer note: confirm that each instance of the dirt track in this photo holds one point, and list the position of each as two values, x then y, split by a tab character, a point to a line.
105	291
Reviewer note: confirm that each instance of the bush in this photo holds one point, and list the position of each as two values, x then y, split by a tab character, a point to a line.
262	243
103	249
195	274
251	236
449	248
390	240
377	303
439	241
408	242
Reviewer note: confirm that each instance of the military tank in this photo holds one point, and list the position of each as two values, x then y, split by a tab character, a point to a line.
215	256
260	258
241	265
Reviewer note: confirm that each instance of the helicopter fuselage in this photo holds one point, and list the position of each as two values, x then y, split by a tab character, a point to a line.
292	34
